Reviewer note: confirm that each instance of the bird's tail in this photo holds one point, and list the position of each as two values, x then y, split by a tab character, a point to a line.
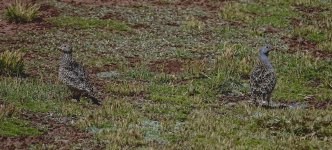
94	99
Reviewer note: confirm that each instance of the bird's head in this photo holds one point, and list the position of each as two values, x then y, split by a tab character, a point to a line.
66	48
265	49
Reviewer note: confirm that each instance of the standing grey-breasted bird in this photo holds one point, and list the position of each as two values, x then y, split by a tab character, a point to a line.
74	76
263	78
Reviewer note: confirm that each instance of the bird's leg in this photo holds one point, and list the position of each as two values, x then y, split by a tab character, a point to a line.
265	99
76	95
252	98
261	101
256	100
268	98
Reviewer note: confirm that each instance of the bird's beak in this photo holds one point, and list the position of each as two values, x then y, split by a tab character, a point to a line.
59	48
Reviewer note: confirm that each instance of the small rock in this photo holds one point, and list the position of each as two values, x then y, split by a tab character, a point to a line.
231	104
309	97
109	74
298	106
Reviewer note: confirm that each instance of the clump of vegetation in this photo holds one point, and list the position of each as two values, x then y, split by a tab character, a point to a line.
193	24
20	12
11	63
7	110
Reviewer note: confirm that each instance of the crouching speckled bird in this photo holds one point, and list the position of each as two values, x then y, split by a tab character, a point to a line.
263	79
74	76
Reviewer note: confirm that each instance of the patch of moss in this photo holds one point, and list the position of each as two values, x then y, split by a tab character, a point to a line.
12	127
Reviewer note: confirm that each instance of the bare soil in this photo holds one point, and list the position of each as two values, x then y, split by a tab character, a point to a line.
310	10
299	44
166	66
112	16
59	134
134	61
207	4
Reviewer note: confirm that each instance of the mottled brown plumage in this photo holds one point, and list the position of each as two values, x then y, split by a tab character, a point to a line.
263	79
74	76
262	83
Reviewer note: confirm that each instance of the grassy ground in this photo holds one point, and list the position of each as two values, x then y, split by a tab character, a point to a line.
174	75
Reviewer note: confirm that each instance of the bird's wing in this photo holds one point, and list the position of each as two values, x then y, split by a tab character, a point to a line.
76	77
79	71
269	80
262	80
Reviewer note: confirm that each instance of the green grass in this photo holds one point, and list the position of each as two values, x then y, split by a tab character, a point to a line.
11	127
258	15
127	89
265	128
87	23
31	95
311	33
296	72
146	108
